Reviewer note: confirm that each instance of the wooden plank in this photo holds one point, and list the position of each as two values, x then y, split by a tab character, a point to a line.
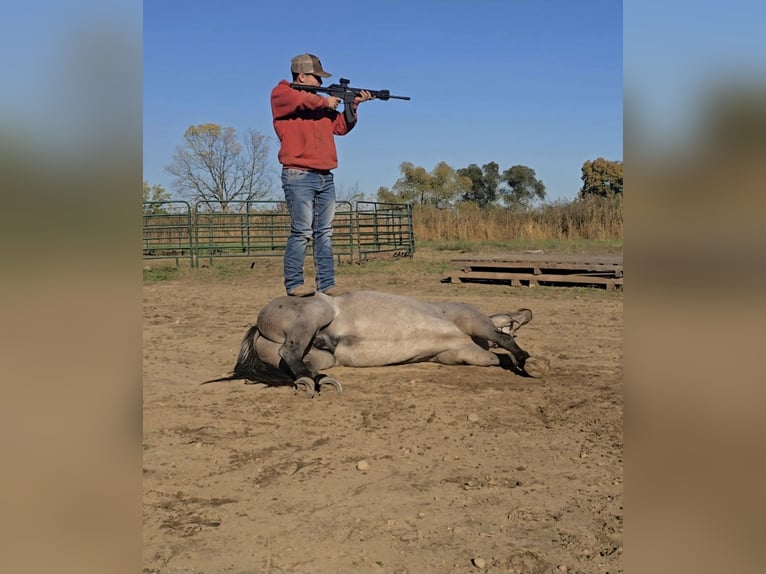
535	268
513	277
606	259
485	265
537	263
488	275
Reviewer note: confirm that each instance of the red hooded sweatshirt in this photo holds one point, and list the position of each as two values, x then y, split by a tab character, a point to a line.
305	128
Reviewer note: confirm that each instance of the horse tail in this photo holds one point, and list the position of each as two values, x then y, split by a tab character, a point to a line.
248	361
250	366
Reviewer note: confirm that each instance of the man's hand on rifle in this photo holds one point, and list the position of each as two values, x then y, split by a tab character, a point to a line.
363	96
333	102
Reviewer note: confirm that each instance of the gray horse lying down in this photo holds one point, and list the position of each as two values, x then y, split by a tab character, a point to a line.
295	338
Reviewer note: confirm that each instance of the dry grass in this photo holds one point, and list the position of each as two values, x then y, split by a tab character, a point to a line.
593	218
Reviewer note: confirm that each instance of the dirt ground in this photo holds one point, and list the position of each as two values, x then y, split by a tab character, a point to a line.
470	469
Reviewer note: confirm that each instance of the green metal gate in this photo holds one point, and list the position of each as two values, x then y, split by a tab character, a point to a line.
257	229
384	228
168	231
212	229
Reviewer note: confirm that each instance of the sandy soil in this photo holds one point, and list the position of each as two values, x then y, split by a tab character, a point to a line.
470	469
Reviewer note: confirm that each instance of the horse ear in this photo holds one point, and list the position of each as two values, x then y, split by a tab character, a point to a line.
502	322
520	318
511	322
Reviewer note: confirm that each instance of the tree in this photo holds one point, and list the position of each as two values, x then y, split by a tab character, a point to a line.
412	187
154	193
474	173
523	187
491	182
484	183
213	165
385	195
601	177
439	188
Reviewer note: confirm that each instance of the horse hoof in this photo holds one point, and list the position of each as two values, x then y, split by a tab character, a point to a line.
305	383
331	382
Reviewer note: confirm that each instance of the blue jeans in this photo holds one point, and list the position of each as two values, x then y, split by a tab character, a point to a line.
311	203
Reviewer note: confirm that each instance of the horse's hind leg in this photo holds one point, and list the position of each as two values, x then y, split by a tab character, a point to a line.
305	365
320	359
292	323
293	351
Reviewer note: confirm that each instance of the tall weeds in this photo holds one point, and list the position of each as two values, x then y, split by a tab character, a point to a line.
592	217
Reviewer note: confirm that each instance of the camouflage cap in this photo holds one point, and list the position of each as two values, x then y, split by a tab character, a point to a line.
308	64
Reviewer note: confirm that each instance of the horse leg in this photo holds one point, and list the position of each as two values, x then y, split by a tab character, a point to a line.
484	329
314	361
320	359
468	354
293	350
477	325
292	323
518	355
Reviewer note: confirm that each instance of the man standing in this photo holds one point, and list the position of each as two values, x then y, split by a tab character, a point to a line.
306	124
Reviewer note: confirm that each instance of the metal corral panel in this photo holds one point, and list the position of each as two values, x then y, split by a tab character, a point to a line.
210	229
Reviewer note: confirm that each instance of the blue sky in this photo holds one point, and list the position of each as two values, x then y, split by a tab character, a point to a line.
511	81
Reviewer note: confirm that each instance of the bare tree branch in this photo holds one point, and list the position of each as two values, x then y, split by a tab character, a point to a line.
213	165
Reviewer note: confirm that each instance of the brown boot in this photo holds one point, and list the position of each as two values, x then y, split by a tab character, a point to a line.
334	291
301	291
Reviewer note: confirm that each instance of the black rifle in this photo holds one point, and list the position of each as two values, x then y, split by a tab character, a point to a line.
347	94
